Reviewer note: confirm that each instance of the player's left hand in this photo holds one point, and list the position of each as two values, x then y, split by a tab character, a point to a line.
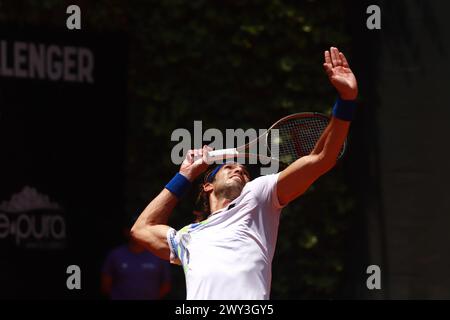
340	74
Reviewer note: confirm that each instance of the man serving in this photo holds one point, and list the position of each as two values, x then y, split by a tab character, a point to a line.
228	255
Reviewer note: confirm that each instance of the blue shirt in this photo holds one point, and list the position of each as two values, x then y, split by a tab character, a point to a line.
135	276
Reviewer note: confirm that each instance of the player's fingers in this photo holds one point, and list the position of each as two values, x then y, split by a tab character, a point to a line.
190	155
338	57
344	60
335	57
207	148
327	57
205	157
328	69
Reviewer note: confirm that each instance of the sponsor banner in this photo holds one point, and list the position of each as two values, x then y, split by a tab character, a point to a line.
62	138
30	221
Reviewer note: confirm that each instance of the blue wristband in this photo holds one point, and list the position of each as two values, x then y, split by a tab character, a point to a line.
179	185
344	109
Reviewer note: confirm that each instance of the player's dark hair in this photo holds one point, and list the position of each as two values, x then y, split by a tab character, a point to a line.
203	199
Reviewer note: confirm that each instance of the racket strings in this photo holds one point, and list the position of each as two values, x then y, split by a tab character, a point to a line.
296	137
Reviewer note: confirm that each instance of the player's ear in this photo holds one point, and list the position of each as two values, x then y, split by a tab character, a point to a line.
208	187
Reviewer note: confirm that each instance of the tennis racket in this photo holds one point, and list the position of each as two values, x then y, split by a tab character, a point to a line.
297	136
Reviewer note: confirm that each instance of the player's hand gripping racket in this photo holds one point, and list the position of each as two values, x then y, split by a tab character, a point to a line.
297	136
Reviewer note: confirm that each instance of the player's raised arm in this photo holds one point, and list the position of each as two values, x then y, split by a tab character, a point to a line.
150	229
296	179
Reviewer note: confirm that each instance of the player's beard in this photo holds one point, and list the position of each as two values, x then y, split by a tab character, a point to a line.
229	189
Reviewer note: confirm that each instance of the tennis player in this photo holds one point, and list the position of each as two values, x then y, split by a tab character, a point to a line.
229	254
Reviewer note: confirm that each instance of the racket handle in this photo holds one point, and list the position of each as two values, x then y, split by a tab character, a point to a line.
221	154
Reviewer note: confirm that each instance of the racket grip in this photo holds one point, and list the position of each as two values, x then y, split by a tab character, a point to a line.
221	154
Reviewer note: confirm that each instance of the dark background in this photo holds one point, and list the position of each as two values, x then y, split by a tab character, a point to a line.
67	141
102	150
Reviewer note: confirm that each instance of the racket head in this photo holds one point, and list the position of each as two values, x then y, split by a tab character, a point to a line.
297	136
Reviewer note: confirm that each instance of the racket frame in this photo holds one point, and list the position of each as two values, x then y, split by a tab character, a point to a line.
240	152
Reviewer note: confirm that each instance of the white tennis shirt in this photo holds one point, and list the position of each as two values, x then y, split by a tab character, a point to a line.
229	255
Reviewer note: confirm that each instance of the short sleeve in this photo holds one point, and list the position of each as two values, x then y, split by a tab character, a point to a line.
265	190
173	242
178	241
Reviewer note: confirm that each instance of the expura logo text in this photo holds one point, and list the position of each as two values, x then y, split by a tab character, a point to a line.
34	229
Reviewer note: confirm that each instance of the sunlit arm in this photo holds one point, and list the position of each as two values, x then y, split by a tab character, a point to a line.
150	229
296	179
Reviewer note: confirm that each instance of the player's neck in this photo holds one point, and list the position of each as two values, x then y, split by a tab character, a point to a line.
216	203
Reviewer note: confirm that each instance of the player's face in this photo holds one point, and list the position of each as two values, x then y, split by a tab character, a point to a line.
232	175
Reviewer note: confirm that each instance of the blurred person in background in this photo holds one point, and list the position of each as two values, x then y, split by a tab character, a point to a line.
132	273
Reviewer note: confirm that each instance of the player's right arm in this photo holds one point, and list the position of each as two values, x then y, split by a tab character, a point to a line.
151	228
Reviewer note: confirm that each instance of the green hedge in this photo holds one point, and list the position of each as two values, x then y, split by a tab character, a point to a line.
232	64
